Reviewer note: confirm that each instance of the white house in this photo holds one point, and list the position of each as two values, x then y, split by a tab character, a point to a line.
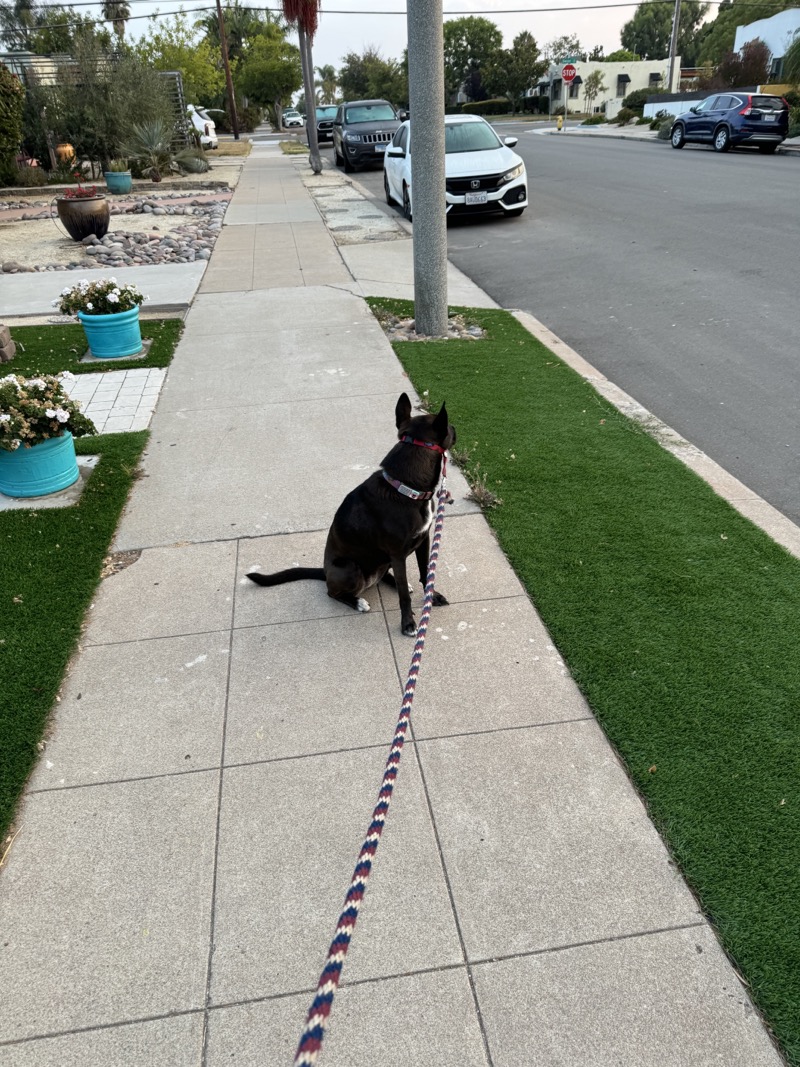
619	79
777	33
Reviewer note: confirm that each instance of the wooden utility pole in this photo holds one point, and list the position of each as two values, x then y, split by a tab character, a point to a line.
673	43
223	43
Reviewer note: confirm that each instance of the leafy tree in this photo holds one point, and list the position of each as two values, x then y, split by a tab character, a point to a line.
565	47
12	105
44	29
648	32
327	83
242	24
717	37
593	87
516	69
596	54
622	55
270	72
791	62
175	44
117	12
470	44
750	66
368	75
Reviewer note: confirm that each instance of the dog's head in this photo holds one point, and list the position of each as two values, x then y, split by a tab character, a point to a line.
435	429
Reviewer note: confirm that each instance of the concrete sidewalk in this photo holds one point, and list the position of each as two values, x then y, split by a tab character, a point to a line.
189	834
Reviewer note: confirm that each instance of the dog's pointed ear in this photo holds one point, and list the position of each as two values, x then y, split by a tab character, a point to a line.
441	423
402	413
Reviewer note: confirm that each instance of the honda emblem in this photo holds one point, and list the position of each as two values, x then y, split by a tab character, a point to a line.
474	184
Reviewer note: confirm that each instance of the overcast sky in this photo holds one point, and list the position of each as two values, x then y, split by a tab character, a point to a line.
339	34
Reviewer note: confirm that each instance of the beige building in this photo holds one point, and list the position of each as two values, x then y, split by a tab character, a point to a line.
619	79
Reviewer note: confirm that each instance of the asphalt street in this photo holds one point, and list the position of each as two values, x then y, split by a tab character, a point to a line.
674	273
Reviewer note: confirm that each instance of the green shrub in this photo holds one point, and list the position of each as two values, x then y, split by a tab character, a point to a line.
665	129
794	122
642	121
193	161
496	106
594	120
28	177
636	100
624	116
12	103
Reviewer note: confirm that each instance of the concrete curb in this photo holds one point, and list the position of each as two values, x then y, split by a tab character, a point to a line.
784	149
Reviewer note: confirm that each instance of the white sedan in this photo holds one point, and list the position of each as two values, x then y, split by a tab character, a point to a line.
481	171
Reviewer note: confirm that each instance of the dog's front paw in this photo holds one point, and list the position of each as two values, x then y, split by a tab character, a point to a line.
439	600
362	604
410	627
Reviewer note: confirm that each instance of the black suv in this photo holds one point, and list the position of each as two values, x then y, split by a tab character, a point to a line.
325	114
361	131
734	118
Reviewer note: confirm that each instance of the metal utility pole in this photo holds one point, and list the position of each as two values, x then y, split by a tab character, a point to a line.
426	100
673	43
223	43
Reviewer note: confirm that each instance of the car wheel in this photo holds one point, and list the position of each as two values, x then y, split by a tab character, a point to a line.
768	149
407	203
348	166
677	138
722	139
389	197
337	159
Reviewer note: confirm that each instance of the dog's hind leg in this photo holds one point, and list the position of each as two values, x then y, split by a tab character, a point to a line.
423	554
346	583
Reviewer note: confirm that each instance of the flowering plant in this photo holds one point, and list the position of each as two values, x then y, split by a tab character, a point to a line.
33	410
83	192
103	297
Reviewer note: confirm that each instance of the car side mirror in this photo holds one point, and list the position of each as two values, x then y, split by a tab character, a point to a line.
402	115
396	152
693	110
509	142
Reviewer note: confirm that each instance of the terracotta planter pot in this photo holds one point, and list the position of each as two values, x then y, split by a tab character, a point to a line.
82	217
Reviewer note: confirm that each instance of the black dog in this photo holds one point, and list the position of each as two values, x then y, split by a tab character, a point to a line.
386	518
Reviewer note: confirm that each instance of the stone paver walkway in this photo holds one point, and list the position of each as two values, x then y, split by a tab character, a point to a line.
118	400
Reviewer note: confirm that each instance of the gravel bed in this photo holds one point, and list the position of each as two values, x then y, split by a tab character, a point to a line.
155	232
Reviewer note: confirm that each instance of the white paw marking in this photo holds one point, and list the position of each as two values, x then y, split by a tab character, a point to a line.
362	605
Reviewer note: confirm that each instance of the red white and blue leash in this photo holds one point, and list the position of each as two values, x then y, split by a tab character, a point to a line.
316	1021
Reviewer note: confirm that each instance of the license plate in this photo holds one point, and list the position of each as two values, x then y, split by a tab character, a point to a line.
380	147
477	198
768	118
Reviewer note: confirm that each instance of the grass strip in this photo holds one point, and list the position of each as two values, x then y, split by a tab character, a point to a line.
51	349
678	619
50	564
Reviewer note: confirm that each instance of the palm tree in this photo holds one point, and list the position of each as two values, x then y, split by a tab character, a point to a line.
305	15
327	84
117	12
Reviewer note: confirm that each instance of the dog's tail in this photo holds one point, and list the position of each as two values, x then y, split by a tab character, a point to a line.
293	574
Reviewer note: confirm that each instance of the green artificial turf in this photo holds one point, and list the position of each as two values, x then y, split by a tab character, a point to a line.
50	563
678	618
51	349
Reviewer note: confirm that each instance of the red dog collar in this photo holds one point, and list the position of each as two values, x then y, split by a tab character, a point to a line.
406	490
423	444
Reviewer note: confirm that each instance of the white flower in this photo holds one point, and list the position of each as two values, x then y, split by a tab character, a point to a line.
66	376
55	303
113	298
61	415
5	418
66	292
50	413
36	383
89	305
15	444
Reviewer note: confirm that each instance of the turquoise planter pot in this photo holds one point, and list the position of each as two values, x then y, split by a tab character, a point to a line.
118	181
45	468
113	336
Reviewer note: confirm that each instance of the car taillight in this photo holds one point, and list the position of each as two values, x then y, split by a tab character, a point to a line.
207	130
747	109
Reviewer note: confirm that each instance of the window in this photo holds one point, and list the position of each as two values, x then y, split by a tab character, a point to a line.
573	91
371	113
655	78
403	138
469	137
623	80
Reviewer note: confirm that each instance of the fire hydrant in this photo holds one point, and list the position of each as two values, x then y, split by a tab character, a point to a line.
559	122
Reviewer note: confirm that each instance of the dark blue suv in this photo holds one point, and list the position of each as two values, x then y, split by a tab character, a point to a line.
734	118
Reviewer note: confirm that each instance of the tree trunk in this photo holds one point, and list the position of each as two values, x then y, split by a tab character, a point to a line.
308	89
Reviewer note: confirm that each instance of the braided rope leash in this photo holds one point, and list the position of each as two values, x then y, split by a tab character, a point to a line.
314	1031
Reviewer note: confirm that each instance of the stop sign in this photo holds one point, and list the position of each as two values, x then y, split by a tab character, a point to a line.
568	72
